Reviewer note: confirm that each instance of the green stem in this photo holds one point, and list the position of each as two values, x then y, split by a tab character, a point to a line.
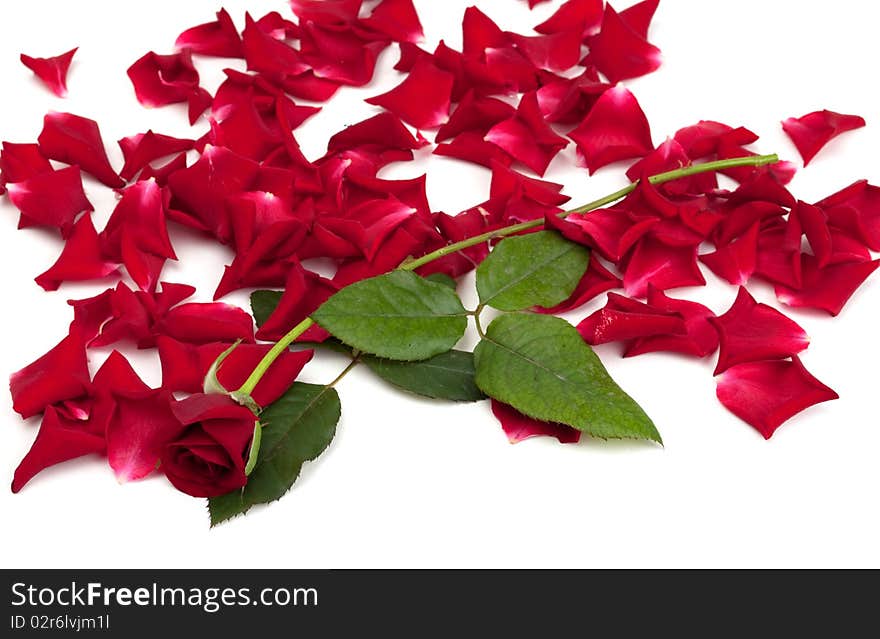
243	394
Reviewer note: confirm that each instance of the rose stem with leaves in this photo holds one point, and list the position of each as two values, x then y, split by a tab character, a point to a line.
243	394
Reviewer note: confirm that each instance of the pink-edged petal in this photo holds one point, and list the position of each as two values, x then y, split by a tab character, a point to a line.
527	137
141	149
518	427
813	131
202	323
139	216
596	280
664	266
396	19
80	260
60	374
59	440
700	338
856	210
620	52
52	199
219	38
51	71
751	332
623	319
77	140
736	262
581	16
615	129
829	288
422	99
767	394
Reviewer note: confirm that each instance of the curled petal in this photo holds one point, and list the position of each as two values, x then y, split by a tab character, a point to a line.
700	338
527	137
422	99
581	16
339	54
51	71
814	222
52	199
518	427
736	262
619	52
623	319
567	101
474	113
856	210
396	19
80	260
615	129
304	292
767	394
751	332
654	262
828	288
60	374
219	38
706	137
267	54
203	323
141	149
813	131
76	140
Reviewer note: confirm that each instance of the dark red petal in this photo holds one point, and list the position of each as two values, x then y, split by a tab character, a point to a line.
80	260
856	210
76	140
767	394
203	323
141	149
762	187
52	71
829	288
474	113
751	332
339	54
304	292
813	131
705	138
385	131
700	339
60	374
479	32
267	54
202	407
741	218
163	172
583	16
219	38
814	222
326	11
779	252
615	129
422	99
638	17
59	440
518	427
567	101
396	19
595	281
52	199
471	146
139	216
20	162
664	266
90	314
184	367
619	52
609	231
622	320
527	137
554	52
735	262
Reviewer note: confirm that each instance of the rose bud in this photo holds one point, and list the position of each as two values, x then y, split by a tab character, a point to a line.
209	457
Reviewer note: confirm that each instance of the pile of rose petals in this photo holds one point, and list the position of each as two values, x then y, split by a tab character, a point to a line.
510	102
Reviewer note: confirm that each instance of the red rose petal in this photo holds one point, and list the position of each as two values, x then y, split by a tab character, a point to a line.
664	266
80	260
76	140
611	231
219	38
554	52
20	162
339	54
704	138
141	149
813	131
396	19
422	99
583	16
327	11
471	146
638	17
619	52
567	101
595	281
623	319
767	394
615	129
52	199
814	222
479	32
160	80
203	323
736	262
750	332
266	54
51	71
700	338
779	252
829	288
856	210
518	427
304	292
527	137
163	172
474	113
60	374
59	440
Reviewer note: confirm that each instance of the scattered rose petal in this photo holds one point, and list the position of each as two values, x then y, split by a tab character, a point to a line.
736	262
203	323
51	71
620	52
767	394
665	267
555	51
51	199
219	38
527	137
60	374
141	149
76	140
80	260
700	338
581	16
813	131
827	289
422	99
519	427
160	80
396	19
623	319
856	210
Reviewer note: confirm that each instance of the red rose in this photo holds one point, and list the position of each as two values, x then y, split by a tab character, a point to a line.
208	459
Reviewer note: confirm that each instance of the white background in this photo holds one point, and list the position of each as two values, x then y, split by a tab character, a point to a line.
411	483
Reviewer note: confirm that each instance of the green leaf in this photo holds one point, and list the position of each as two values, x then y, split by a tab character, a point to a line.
442	278
263	304
541	366
538	269
397	316
295	429
446	376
